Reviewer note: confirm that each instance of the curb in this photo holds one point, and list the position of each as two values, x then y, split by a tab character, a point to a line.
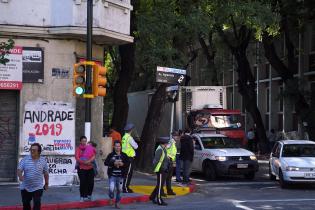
81	205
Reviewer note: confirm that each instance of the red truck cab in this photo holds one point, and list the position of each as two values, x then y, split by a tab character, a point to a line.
223	121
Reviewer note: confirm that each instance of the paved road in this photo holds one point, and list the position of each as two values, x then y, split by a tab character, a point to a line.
238	193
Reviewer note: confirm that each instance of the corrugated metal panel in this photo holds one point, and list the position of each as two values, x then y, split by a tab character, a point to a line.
8	134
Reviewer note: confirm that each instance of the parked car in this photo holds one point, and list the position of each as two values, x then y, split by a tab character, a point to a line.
216	155
292	161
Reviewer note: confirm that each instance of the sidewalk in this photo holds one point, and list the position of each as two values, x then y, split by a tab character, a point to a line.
67	197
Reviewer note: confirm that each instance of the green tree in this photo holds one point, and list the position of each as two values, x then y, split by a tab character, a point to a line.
237	23
4	50
294	16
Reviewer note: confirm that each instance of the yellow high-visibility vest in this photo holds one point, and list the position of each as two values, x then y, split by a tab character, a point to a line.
158	166
171	151
126	146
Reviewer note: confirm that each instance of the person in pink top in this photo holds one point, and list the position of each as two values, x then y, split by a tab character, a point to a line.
85	155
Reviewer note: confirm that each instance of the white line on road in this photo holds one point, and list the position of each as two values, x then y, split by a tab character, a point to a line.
280	200
237	183
238	204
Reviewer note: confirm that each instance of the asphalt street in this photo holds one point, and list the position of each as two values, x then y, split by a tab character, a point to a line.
238	193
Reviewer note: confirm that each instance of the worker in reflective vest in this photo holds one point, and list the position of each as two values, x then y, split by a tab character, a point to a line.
160	166
128	147
171	153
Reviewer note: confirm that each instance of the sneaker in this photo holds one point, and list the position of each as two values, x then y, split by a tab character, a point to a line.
130	190
163	194
110	202
86	199
117	206
171	193
162	204
89	197
81	199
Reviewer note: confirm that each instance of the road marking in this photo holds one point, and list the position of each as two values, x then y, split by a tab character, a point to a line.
237	183
238	204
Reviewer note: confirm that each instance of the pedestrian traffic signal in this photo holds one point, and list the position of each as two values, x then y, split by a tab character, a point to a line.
79	78
99	80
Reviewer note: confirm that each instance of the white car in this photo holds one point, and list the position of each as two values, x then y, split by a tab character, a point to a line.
216	154
292	161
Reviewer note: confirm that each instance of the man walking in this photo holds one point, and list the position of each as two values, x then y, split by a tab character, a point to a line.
116	162
129	146
31	170
160	165
186	155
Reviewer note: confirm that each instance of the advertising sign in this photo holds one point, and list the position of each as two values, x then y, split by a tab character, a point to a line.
170	75
11	72
33	65
50	124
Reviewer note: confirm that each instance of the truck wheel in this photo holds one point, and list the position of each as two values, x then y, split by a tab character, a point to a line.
209	171
250	176
271	176
282	182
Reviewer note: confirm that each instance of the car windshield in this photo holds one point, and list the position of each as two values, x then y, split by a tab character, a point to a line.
219	142
298	150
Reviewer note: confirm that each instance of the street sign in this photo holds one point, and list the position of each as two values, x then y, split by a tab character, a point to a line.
170	75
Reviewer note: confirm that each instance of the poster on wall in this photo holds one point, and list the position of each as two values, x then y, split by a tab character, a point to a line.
61	170
11	72
50	124
33	65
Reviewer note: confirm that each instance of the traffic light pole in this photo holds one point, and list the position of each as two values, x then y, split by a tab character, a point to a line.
89	32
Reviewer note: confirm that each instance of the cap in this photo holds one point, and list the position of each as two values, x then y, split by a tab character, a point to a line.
163	140
129	126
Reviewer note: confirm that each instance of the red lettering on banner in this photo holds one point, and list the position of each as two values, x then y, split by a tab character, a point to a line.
16	50
10	85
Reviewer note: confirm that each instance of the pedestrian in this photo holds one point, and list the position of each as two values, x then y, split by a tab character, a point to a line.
186	155
31	170
129	146
178	160
94	163
160	167
250	139
114	134
116	162
272	138
85	155
171	154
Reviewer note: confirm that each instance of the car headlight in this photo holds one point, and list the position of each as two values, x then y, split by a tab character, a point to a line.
220	158
291	168
253	157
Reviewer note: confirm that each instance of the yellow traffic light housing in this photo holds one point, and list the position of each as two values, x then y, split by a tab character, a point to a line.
99	80
79	78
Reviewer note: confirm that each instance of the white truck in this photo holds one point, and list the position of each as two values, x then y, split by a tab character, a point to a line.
216	155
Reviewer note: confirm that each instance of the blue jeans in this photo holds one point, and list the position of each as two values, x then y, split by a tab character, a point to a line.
178	168
115	183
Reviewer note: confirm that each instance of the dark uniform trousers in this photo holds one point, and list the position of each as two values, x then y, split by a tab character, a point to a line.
156	194
128	177
168	178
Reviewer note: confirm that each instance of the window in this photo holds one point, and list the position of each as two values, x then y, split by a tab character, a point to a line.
280	122
267	122
267	100
281	99
267	70
313	38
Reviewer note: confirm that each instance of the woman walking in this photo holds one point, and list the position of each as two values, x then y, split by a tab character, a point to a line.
85	155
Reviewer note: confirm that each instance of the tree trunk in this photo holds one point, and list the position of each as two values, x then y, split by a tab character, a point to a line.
246	80
121	105
127	56
302	108
152	123
209	52
247	90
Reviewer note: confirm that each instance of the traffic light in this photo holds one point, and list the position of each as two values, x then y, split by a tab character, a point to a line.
79	78
99	80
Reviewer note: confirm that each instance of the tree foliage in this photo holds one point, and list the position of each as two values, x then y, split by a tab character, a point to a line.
4	50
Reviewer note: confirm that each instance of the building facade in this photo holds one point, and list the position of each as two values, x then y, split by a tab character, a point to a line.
36	100
277	111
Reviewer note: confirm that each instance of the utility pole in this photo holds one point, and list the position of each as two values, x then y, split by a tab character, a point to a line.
89	32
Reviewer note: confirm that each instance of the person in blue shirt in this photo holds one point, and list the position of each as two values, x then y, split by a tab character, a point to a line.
31	170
